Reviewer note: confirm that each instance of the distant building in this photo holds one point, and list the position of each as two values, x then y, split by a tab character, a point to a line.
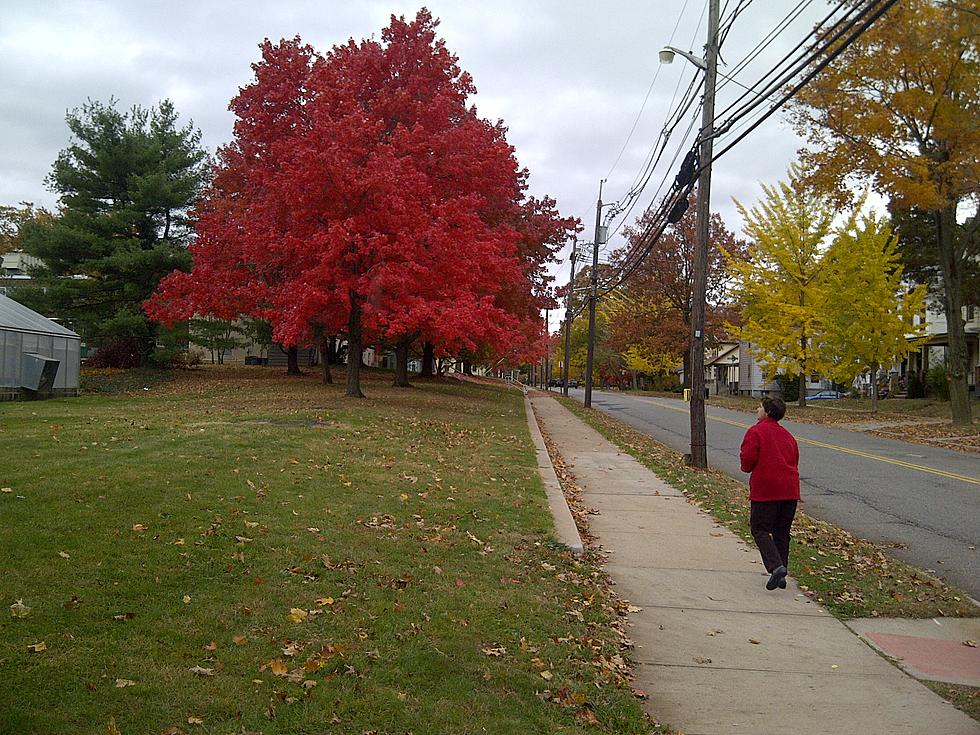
15	269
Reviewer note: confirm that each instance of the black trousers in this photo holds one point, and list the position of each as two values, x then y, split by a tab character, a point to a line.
770	521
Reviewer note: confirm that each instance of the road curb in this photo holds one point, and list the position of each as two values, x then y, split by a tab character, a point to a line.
565	527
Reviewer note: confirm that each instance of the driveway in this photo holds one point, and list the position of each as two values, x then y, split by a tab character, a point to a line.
923	499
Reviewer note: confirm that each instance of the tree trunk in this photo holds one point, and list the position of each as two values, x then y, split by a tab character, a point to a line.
428	360
951	261
401	363
292	361
687	369
874	389
354	351
325	360
801	397
467	367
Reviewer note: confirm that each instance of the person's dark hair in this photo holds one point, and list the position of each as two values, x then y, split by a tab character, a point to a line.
774	406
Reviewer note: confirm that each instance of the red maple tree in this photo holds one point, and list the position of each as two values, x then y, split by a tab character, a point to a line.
362	196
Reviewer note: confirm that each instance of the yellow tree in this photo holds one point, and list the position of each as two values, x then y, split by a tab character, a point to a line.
870	320
780	287
899	108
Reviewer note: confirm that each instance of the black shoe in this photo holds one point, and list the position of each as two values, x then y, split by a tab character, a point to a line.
778	575
782	583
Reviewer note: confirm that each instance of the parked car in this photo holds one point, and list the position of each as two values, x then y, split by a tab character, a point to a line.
554	383
827	395
572	383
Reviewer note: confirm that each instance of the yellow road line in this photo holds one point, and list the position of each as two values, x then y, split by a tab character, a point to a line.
855	452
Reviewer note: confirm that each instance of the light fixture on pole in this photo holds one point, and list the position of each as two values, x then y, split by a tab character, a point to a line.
667	54
709	65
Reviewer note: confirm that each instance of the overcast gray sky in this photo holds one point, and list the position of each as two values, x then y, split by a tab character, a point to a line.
568	77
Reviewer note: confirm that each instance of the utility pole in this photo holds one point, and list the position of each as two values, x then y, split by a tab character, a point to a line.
592	297
568	320
699	449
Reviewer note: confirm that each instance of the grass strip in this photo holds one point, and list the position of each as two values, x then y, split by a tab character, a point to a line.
232	551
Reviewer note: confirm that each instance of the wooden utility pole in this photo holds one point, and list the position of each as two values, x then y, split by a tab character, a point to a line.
699	449
594	285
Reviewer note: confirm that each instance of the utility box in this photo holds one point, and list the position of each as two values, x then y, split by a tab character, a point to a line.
38	372
687	395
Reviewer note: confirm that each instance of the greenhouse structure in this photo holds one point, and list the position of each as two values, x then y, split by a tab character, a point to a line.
38	357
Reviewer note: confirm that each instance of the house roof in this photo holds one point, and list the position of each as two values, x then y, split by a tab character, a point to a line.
18	318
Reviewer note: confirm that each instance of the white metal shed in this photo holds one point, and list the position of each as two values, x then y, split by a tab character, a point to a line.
29	343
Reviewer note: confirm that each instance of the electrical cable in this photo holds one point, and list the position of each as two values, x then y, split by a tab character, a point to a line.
656	75
658	222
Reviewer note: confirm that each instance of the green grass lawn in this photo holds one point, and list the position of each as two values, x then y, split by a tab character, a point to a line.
238	552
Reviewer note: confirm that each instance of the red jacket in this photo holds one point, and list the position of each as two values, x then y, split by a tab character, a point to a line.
771	454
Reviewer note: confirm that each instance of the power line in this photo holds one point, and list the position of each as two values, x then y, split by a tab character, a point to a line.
851	23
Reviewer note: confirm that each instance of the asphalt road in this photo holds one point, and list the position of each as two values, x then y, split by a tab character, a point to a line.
924	499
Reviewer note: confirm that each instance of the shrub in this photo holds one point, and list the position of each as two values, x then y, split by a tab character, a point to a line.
789	387
122	352
937	382
916	387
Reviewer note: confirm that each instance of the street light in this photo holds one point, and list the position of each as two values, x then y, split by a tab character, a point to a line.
709	65
667	57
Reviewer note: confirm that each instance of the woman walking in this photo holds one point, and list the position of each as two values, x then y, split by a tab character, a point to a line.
771	454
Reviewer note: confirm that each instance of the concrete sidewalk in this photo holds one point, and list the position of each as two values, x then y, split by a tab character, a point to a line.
717	652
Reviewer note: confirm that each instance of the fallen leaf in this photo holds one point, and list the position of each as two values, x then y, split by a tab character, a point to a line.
37	647
212	646
173	730
139	527
6	489
546	675
238	640
64	555
324	601
971	644
124	616
194	720
308	684
834	666
201	671
187	599
121	683
702	660
460	583
278	667
111	728
251	524
19	609
296	615
754	641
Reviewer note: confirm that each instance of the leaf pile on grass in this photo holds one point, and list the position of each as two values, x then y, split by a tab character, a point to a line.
945	435
116	381
241	552
852	577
